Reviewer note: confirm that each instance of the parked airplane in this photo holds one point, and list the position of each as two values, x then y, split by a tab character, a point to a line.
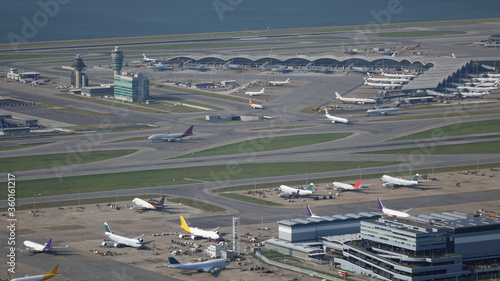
150	204
336	119
286	190
35	247
36	83
347	187
119	241
256	106
388	180
383	85
389	80
354	100
397	75
310	213
198	232
279	83
210	266
473	94
160	66
255	93
47	276
390	212
350	51
477	88
438	94
493	75
485	79
383	111
413	47
171	137
146	59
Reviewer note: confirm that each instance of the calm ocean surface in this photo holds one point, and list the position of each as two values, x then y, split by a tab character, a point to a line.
46	20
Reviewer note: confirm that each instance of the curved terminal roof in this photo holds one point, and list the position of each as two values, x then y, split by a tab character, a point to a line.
437	69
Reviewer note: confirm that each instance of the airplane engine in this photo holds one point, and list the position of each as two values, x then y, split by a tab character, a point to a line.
140	240
116	245
104	243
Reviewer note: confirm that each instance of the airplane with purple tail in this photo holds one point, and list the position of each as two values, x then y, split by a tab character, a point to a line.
35	247
310	213
390	212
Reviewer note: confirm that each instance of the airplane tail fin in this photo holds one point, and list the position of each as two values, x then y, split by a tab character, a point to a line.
250	102
369	74
106	228
380	206
415	178
52	272
262	91
287	80
162	201
48	246
189	131
309	212
184	225
310	187
172	260
326	112
337	95
358	184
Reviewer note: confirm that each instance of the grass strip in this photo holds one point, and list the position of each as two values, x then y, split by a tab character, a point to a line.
458	129
166	177
265	144
45	161
468	148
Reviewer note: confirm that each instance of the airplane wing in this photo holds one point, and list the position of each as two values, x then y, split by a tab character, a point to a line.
210	269
138	237
215	229
406	211
59	247
28	250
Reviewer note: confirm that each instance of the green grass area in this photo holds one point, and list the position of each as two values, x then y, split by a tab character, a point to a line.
281	128
166	177
22	56
197	204
271	143
46	161
333	46
469	148
73	110
250	199
458	129
418	33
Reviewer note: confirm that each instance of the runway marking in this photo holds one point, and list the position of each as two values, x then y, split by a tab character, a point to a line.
195	180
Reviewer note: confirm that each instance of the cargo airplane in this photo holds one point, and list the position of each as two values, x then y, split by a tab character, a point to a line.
255	93
255	106
198	232
390	212
388	181
397	75
286	190
383	85
119	241
47	276
149	205
35	247
336	119
171	137
210	266
354	100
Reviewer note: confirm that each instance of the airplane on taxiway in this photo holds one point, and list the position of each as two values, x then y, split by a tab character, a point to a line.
171	137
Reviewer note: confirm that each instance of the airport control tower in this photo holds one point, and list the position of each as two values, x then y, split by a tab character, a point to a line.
117	60
78	65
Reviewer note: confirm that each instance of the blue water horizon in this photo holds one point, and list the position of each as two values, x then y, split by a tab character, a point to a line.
56	20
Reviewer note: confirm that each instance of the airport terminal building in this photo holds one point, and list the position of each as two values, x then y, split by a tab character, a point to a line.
445	246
